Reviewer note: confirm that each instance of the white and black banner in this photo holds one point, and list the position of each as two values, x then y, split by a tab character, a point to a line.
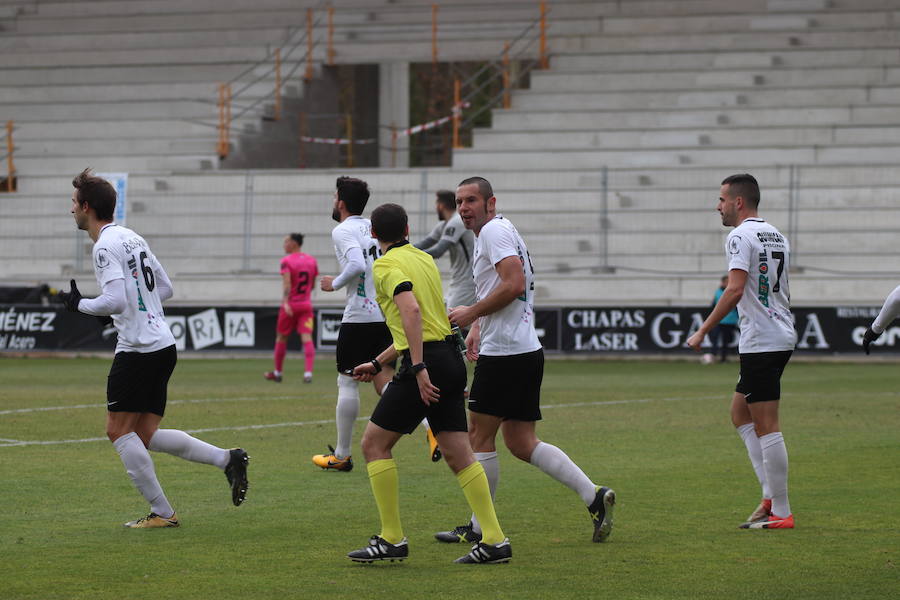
590	330
655	330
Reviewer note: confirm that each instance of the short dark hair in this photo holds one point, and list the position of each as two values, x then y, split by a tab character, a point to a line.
745	186
97	193
297	237
354	193
389	223
447	199
484	186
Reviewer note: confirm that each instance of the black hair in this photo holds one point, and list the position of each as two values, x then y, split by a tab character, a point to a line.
97	193
389	223
447	199
354	193
745	186
484	186
297	237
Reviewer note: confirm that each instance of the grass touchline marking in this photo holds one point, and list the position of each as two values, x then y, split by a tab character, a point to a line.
16	411
195	401
11	443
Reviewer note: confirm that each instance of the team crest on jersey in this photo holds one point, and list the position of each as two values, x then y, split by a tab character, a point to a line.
763	268
733	244
102	259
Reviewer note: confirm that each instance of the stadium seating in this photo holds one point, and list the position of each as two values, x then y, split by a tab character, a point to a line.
609	163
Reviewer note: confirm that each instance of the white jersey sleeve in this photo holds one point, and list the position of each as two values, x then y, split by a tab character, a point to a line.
499	243
107	261
889	312
353	236
110	302
739	250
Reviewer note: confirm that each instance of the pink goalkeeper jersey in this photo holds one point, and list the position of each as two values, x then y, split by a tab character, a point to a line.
303	269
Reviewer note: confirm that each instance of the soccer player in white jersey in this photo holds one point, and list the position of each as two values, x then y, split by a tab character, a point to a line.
889	311
133	285
450	235
363	332
758	263
505	393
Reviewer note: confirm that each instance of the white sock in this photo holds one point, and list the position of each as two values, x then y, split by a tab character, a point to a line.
139	467
754	451
491	466
555	463
178	443
345	414
775	459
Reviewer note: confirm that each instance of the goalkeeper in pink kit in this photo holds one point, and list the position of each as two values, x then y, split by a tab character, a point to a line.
298	277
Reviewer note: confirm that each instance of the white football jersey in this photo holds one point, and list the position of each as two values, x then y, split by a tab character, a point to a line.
120	253
766	322
510	330
356	232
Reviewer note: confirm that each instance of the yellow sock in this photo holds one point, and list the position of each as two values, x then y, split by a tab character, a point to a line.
474	484
386	488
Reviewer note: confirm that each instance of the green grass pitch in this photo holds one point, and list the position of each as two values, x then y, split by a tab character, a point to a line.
659	433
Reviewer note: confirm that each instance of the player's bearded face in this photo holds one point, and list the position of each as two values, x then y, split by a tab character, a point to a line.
335	213
80	215
727	207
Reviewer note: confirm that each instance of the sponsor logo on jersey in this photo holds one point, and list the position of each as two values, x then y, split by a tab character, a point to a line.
102	259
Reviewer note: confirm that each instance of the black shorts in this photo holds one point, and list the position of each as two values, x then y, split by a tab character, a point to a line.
401	408
138	381
361	342
761	375
508	386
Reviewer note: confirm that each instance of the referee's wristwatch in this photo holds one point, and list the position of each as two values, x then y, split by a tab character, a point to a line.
377	365
418	367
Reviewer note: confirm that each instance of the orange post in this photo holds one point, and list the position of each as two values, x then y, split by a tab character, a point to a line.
543	57
393	145
277	84
227	118
224	119
10	167
221	105
309	45
434	28
456	113
330	35
506	93
349	121
302	143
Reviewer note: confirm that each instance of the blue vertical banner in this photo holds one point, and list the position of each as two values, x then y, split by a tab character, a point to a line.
119	181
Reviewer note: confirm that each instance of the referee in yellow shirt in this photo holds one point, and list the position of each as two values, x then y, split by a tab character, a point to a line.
429	383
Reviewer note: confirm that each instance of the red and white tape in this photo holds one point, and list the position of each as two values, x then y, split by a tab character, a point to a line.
432	124
335	141
405	132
